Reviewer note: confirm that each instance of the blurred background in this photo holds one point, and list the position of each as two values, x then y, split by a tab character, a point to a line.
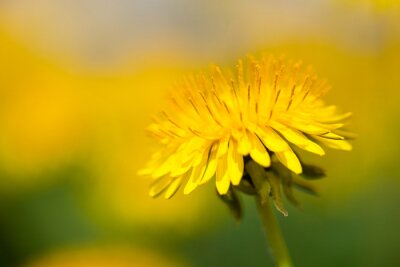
80	80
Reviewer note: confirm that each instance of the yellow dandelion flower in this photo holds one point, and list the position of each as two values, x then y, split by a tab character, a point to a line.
262	108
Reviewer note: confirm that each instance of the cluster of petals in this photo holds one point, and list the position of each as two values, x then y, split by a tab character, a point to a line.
261	108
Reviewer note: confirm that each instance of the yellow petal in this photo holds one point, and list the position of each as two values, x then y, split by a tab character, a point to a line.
182	168
330	126
258	152
145	172
334	118
173	188
306	126
211	165
198	157
197	175
166	162
244	145
165	167
189	147
235	163
188	157
345	134
271	139
298	138
290	160
192	183
159	186
332	136
313	148
336	144
222	147
222	176
154	162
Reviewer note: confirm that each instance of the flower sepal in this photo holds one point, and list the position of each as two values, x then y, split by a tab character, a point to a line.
232	200
312	172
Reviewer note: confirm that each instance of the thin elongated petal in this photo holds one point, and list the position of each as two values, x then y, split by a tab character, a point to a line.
173	188
184	164
145	172
290	160
182	168
258	152
307	127
235	163
345	134
271	139
159	186
336	144
335	118
192	182
197	175
244	144
211	165
298	139
330	126
165	167
169	160
222	177
151	165
222	147
332	136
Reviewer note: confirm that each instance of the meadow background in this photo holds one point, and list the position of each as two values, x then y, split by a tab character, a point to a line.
80	81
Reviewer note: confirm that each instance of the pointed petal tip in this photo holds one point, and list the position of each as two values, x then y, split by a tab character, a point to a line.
319	151
143	172
152	194
222	190
189	188
298	171
187	192
350	148
346	146
236	182
262	160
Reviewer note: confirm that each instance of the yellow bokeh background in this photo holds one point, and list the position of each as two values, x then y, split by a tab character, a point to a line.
79	83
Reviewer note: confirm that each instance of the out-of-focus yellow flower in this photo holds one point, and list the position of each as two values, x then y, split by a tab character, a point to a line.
215	121
51	117
40	116
97	257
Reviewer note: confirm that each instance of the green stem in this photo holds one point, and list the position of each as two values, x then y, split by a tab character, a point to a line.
274	234
270	222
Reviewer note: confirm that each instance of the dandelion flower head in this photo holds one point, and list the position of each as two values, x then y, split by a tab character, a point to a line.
261	109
